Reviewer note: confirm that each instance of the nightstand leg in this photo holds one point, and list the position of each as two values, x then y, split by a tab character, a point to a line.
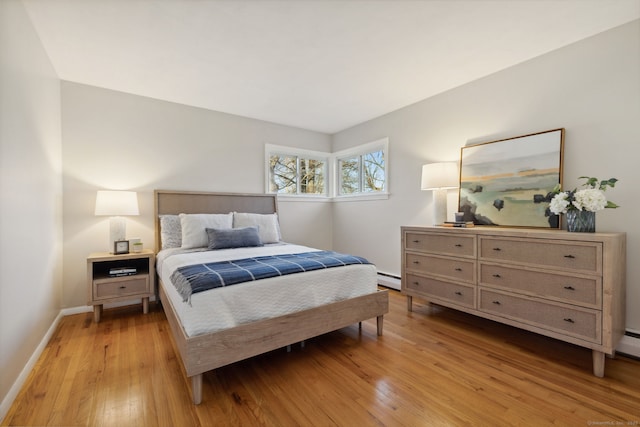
97	312
145	305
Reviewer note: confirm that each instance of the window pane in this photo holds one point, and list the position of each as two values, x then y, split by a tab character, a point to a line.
283	174
373	170
349	175
312	176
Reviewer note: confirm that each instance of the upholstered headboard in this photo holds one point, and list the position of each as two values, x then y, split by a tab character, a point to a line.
172	202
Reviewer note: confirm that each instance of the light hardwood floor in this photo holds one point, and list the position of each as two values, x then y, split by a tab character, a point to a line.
433	366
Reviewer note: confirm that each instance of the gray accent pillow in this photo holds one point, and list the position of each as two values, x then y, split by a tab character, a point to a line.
233	238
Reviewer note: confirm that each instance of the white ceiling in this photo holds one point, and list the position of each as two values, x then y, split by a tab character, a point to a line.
322	65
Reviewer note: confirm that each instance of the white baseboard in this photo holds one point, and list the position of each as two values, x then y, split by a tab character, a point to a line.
89	308
629	345
388	281
24	374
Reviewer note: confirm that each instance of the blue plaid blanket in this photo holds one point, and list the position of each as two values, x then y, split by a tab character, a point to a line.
195	278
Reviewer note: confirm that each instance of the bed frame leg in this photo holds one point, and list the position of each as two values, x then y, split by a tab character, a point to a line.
196	386
379	320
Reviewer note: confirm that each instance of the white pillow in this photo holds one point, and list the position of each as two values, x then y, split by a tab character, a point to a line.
268	226
170	231
194	234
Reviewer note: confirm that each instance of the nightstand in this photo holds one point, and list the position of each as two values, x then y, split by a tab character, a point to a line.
113	278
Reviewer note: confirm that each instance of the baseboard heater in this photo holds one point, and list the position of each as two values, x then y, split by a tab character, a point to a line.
630	344
389	280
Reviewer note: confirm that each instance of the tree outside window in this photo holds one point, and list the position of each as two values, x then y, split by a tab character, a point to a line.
290	174
364	173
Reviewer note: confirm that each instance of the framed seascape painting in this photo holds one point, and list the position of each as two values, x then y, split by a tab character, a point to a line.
510	182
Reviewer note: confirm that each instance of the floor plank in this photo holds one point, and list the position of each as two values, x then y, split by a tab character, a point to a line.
432	366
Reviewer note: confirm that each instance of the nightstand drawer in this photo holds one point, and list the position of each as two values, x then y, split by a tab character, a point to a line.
456	245
451	292
113	288
454	268
564	319
556	254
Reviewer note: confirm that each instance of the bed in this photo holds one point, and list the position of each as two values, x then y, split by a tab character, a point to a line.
204	350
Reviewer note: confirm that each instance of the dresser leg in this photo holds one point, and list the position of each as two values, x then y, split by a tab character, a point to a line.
598	363
409	302
145	305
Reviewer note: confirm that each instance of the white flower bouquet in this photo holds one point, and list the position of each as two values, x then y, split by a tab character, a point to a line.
590	199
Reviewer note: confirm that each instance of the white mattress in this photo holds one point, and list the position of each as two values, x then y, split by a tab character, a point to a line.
223	308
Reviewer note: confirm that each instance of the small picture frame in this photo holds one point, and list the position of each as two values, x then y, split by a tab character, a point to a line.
121	247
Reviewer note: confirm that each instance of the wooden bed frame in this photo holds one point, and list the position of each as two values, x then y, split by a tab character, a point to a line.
210	351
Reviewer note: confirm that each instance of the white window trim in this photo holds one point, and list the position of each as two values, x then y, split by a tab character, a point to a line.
331	174
380	144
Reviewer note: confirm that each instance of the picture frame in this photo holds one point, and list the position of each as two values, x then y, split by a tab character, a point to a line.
509	182
120	247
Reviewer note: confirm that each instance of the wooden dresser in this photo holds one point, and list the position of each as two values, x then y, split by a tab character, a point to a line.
569	286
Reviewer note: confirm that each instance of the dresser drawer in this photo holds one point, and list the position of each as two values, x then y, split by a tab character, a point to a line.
585	291
456	245
112	288
455	268
451	292
579	323
580	256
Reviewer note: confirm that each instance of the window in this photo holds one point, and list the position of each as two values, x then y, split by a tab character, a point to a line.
354	173
296	172
362	170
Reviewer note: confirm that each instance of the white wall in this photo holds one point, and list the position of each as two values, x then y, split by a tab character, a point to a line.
30	194
591	88
113	140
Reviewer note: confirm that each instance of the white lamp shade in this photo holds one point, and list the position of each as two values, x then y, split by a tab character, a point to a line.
116	203
440	175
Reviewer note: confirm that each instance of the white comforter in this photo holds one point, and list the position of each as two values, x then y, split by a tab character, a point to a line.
223	308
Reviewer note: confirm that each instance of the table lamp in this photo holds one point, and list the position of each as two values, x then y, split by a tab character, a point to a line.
439	177
117	204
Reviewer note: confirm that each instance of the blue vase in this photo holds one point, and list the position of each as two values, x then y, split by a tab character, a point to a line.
581	221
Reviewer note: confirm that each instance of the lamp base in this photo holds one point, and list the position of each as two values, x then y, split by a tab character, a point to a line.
117	230
439	206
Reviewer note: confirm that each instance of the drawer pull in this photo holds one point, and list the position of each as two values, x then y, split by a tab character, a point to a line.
458	293
416	283
497	249
416	262
458	269
496	302
458	245
570	288
497	276
569	320
123	287
569	256
416	241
